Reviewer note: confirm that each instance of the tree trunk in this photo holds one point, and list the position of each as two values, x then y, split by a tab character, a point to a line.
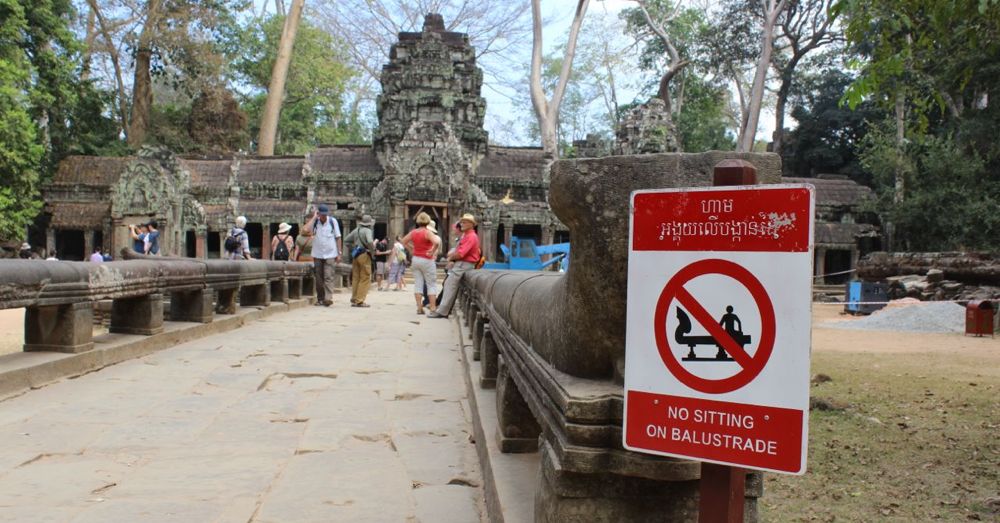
748	133
276	90
113	54
547	110
88	45
142	83
779	106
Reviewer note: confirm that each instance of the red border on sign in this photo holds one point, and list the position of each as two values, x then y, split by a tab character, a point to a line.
751	365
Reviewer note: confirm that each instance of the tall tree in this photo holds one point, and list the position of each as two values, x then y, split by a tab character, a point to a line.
276	89
547	109
806	26
771	11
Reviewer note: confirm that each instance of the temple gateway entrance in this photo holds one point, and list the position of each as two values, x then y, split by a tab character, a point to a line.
438	212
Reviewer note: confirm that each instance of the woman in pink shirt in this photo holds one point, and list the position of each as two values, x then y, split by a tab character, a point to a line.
424	243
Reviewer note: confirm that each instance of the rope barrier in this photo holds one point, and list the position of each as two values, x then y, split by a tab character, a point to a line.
834	273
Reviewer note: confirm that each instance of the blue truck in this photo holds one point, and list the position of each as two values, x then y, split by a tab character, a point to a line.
525	255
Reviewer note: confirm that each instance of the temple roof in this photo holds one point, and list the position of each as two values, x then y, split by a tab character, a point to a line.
345	159
91	170
843	233
274	210
835	190
76	215
204	172
272	169
513	163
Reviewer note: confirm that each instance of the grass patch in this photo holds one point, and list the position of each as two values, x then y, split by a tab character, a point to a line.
918	440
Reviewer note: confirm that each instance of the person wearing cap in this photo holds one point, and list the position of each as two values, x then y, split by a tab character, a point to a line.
326	248
282	238
464	257
424	243
363	240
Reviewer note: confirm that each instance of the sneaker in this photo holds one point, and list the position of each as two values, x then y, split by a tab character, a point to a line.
435	314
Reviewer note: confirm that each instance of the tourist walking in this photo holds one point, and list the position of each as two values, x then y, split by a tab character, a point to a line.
464	259
303	246
424	243
397	264
282	243
237	244
326	248
363	240
381	265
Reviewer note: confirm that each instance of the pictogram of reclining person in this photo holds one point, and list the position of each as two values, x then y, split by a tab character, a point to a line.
730	322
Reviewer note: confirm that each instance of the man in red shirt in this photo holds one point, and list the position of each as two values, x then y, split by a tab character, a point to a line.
463	258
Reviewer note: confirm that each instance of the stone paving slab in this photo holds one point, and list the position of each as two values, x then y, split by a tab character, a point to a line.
318	414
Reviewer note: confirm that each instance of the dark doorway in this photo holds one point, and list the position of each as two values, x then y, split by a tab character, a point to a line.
837	261
528	231
190	245
561	237
381	230
213	244
69	245
99	241
255	235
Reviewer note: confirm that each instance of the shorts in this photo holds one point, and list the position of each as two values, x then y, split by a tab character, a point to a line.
380	268
424	271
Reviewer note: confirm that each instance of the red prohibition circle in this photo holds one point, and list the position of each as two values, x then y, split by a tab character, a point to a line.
764	347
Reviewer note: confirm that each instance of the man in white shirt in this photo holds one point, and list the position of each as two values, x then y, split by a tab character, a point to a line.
326	249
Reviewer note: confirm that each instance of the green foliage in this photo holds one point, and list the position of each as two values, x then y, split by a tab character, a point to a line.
951	198
46	111
700	101
828	134
313	111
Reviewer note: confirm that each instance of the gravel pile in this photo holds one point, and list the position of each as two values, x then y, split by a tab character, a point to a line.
927	316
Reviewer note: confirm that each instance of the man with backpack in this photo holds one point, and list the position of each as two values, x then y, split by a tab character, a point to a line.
282	243
326	249
363	239
238	243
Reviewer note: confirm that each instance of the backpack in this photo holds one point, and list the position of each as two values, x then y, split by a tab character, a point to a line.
233	242
281	251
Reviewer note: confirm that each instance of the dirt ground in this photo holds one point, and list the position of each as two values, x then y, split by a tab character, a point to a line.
910	432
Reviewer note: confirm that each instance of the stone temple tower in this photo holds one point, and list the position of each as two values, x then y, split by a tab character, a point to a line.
430	139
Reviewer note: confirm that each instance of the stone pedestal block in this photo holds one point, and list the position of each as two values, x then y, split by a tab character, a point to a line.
309	286
279	291
573	497
255	295
295	289
470	319
141	315
488	358
225	302
517	430
60	328
477	334
193	306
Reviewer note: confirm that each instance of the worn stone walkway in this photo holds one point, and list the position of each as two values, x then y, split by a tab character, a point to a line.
324	415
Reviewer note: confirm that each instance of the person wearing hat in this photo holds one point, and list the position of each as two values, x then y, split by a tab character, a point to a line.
25	253
363	240
326	248
464	259
282	244
424	243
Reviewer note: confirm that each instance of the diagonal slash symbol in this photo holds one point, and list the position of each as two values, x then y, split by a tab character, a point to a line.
714	329
750	366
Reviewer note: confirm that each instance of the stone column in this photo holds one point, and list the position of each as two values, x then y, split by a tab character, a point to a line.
88	244
50	241
309	286
265	241
820	269
478	326
201	245
222	244
255	295
488	239
397	219
488	354
60	328
225	302
195	306
517	429
279	291
508	233
294	288
140	315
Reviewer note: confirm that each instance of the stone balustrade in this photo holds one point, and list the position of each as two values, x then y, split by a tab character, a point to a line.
553	346
58	296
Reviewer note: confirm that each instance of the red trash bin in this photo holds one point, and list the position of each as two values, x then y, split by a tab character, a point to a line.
979	318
